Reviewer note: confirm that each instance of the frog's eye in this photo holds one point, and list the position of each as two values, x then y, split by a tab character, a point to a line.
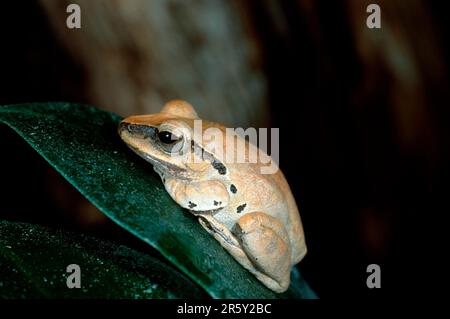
167	137
169	141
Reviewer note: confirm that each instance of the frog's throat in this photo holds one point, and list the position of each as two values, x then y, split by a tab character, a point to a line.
167	168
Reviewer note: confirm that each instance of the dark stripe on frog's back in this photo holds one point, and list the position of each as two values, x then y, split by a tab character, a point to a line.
218	165
240	208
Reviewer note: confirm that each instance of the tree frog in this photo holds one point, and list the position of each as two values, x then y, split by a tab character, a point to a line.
253	216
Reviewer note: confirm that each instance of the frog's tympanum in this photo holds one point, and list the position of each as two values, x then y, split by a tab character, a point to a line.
253	215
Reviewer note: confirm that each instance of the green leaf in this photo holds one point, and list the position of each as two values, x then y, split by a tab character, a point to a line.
81	142
34	260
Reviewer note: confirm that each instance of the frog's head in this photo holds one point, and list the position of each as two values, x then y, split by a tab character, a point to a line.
165	139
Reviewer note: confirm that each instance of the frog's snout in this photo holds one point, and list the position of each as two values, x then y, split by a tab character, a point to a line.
135	130
130	128
126	131
123	126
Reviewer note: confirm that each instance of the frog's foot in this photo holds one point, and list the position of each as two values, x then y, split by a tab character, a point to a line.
265	241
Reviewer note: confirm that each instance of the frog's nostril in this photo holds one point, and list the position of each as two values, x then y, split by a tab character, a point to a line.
133	128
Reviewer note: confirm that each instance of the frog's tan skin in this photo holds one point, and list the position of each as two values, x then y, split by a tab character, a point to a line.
254	216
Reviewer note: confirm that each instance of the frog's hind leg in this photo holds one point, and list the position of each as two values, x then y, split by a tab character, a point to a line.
259	243
265	241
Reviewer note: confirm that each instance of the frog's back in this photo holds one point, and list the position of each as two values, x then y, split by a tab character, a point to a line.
276	201
293	224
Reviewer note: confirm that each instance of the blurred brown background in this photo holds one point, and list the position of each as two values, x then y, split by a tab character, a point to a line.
362	112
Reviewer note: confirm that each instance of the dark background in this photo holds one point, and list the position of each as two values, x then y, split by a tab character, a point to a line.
362	117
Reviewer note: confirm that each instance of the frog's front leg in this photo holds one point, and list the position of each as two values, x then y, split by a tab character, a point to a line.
265	241
197	196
